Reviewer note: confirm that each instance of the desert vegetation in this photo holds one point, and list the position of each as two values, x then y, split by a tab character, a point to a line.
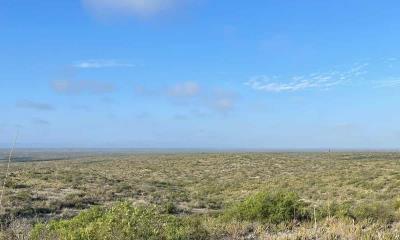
204	196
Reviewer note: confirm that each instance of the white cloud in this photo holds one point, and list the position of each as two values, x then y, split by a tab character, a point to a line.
185	89
224	104
304	82
191	95
141	8
101	64
391	59
81	86
223	101
388	83
39	121
27	104
265	83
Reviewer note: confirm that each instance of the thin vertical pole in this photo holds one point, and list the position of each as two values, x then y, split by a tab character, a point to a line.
7	170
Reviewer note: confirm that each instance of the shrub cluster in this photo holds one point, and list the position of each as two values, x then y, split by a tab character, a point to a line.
122	221
282	206
125	221
271	207
374	211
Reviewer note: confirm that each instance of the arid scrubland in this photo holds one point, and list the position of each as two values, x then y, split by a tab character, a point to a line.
204	196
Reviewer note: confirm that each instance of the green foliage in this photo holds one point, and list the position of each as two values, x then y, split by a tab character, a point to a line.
170	208
122	221
397	204
333	209
271	207
375	211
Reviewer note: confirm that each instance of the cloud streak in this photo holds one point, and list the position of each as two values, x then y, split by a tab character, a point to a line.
81	87
102	64
388	83
139	8
305	82
38	106
223	101
185	89
224	104
39	121
193	95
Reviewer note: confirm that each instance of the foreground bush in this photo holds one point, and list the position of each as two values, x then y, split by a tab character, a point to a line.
123	221
384	212
270	207
246	220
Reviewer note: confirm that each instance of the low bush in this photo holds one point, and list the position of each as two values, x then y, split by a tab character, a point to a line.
270	207
170	208
397	204
122	221
362	211
375	211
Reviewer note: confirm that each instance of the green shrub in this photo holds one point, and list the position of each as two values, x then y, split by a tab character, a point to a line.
271	207
375	211
170	208
122	221
334	209
397	204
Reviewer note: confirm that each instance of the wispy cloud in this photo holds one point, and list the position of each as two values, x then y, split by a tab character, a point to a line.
39	121
192	95
82	86
392	59
223	101
140	8
224	104
185	89
99	63
179	116
304	82
141	90
388	83
81	107
28	104
268	84
179	90
143	115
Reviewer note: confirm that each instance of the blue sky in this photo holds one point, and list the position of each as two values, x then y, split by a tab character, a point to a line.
200	73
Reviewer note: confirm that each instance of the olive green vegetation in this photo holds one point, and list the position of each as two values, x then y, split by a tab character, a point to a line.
205	196
270	207
274	208
122	221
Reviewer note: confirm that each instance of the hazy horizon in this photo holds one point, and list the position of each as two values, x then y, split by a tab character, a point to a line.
255	150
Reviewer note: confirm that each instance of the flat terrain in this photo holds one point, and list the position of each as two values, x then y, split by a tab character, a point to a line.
206	184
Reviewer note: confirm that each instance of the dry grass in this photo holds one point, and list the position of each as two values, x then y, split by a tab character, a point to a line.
209	183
